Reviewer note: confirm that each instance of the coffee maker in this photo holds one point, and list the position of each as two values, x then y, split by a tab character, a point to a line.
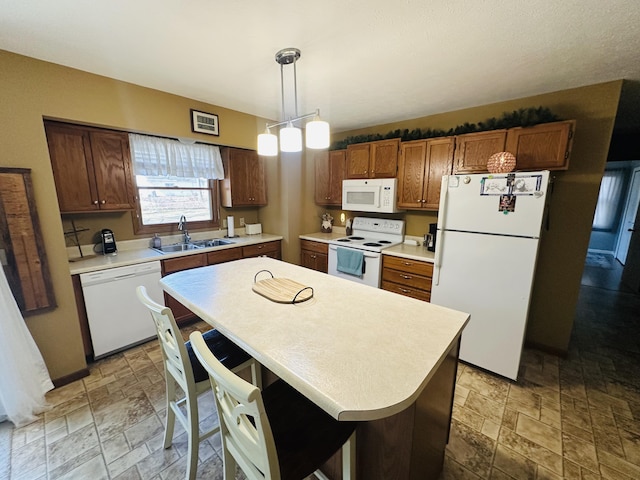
108	242
430	238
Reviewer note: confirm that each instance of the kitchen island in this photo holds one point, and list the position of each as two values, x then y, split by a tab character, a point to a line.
358	352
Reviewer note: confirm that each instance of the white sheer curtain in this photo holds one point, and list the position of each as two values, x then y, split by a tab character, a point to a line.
155	156
24	378
608	199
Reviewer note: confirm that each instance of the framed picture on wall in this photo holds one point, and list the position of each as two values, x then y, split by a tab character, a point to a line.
202	122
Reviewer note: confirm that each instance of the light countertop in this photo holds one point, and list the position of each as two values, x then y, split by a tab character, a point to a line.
137	251
368	359
414	252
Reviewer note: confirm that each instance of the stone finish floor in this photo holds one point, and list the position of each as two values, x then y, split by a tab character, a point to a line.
573	418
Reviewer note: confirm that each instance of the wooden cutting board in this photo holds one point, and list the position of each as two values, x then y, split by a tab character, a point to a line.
283	290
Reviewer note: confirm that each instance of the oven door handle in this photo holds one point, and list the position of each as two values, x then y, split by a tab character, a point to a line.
370	254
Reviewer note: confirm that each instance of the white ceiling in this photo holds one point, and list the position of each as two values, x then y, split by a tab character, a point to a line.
363	62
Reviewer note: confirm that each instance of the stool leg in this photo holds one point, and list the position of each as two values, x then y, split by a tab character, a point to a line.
170	421
193	435
349	458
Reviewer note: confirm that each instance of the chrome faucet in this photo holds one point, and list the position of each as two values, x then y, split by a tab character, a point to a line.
182	226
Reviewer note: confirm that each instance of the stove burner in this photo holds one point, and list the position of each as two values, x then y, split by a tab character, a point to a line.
356	238
384	241
343	240
371	244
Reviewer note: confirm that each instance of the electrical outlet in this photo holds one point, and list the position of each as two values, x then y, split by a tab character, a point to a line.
224	223
242	221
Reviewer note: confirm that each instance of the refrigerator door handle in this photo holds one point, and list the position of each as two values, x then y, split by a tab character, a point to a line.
442	211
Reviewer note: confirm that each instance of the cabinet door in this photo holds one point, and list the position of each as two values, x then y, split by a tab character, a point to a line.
70	153
542	147
439	162
244	182
337	165
323	172
384	158
268	249
181	313
474	149
411	174
358	160
314	261
110	152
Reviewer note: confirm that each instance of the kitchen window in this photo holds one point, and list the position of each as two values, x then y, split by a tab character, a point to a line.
174	179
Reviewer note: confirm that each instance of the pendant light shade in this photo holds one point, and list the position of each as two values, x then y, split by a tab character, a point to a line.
290	139
317	134
317	131
267	144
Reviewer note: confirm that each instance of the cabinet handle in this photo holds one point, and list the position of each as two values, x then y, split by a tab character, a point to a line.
103	202
259	247
404	290
406	277
408	264
313	256
95	202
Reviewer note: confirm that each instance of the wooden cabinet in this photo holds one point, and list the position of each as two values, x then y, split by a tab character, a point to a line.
474	149
374	159
314	255
421	167
181	313
411	278
268	249
244	183
542	147
91	168
21	243
330	171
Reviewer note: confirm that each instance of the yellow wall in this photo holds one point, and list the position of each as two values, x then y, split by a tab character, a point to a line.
30	90
575	192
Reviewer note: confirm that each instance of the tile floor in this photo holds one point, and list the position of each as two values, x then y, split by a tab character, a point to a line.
573	418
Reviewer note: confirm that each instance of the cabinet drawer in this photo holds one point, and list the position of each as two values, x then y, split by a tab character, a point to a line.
312	246
271	249
183	263
407	291
226	255
409	266
406	279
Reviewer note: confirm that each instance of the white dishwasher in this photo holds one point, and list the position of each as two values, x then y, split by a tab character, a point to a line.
117	319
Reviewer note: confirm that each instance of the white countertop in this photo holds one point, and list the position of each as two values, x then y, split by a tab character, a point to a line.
138	251
414	252
358	352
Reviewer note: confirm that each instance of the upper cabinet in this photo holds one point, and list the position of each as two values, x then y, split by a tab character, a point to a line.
374	159
422	165
330	171
244	183
91	168
542	147
474	149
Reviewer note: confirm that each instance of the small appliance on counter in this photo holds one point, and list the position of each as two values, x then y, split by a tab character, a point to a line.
108	242
430	238
253	228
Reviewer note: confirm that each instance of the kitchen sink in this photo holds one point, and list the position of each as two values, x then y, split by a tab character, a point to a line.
194	245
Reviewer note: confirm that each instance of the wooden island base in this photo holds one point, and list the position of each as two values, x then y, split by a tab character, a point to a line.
410	444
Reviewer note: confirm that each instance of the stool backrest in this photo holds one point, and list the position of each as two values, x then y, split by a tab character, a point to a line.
174	352
244	426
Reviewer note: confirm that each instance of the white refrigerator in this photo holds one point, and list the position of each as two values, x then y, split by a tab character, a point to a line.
487	243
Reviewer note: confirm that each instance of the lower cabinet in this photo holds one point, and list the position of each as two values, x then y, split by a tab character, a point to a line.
181	313
411	278
268	249
314	255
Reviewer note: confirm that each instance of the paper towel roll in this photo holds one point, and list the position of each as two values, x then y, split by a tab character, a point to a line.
230	228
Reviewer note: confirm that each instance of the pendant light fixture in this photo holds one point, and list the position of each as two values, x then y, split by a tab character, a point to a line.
317	131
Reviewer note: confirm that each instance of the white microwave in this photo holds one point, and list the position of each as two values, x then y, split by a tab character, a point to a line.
378	195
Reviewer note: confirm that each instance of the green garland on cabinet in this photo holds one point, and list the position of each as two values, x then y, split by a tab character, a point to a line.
524	117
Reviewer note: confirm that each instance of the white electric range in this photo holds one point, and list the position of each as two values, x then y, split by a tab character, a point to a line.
369	236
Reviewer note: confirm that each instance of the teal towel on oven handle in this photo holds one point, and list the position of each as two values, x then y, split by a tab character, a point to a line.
350	261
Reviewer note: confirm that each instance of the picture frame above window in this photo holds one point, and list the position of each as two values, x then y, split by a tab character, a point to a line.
203	122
